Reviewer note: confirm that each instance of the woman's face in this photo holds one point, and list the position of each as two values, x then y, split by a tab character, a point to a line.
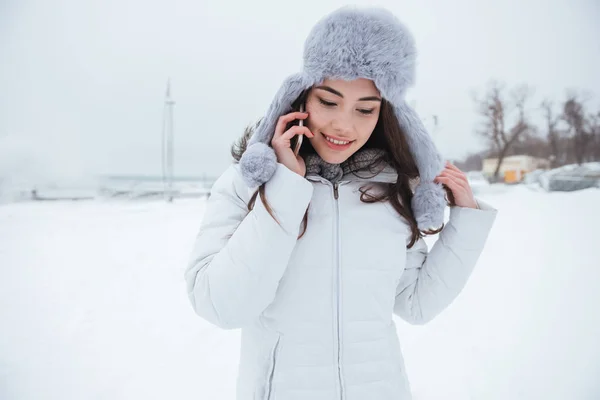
344	111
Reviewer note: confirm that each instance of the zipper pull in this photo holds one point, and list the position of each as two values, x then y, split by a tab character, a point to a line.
335	190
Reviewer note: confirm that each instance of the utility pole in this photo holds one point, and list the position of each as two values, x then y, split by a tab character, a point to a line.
167	145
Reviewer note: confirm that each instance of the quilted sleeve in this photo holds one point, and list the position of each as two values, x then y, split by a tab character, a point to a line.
433	279
239	257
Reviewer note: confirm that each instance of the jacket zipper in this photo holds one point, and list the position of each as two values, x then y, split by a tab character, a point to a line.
338	282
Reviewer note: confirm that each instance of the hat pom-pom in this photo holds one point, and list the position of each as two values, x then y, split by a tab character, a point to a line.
258	164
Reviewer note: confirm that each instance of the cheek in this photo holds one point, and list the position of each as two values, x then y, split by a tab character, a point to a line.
365	129
317	118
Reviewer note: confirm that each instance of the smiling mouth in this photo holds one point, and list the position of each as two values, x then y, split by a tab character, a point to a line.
336	141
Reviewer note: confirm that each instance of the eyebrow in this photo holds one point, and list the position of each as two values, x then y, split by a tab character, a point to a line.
332	90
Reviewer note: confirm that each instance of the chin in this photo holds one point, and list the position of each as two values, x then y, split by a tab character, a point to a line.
333	157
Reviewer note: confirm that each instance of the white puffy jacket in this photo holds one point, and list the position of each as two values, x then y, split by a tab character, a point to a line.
316	313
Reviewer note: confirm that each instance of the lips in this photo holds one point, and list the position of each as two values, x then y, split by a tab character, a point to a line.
336	146
336	138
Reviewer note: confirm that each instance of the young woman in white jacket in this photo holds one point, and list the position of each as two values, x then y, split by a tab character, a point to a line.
311	254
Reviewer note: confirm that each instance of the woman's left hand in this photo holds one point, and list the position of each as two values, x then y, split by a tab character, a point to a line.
458	184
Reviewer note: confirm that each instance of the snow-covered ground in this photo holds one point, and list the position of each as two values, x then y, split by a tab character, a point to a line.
93	306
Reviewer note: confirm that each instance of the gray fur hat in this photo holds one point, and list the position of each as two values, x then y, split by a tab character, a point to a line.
348	44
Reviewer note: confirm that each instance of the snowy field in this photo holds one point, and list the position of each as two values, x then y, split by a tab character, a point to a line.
93	306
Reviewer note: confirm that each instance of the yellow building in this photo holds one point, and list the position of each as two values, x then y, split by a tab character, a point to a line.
514	168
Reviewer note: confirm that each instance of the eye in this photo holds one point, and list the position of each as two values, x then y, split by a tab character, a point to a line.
366	112
326	103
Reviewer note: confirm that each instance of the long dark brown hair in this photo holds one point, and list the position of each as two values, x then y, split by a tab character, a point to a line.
387	136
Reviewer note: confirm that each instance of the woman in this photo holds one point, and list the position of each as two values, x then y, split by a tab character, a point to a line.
312	254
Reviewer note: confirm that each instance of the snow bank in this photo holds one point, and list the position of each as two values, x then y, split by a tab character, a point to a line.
93	306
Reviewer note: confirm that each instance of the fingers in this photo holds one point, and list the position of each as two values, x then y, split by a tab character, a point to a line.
452	172
452	184
286	119
458	176
297	130
458	184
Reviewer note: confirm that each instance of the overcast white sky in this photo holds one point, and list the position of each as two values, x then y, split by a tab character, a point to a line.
82	82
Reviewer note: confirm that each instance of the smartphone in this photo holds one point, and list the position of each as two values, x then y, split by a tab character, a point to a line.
298	141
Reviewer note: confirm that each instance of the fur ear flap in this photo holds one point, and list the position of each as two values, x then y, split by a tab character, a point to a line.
428	204
289	91
429	161
258	163
429	199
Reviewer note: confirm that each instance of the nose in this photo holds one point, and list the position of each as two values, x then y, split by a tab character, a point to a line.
342	126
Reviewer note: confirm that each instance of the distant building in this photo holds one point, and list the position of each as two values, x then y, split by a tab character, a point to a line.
514	168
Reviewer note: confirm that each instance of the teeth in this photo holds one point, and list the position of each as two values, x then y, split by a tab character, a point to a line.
339	142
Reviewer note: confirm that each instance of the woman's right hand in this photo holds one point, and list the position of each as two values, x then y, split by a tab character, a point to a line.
282	145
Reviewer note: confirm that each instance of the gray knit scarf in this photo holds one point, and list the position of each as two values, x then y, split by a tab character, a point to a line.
334	172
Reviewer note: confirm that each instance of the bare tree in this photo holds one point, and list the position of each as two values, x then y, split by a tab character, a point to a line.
552	133
578	130
531	144
594	129
496	111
